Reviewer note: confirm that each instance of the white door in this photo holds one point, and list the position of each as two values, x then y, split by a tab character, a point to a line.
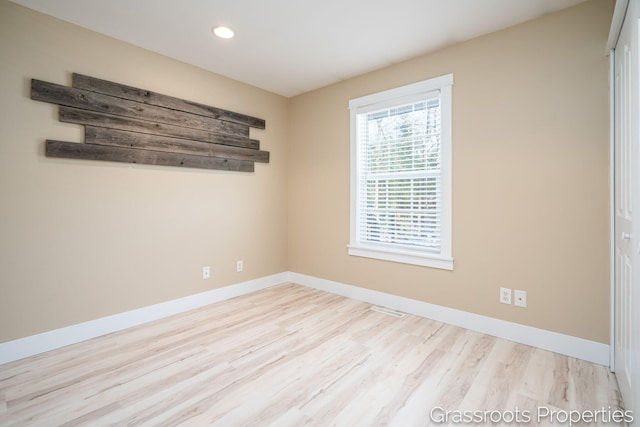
627	211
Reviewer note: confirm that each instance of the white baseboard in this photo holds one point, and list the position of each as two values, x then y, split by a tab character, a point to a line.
579	348
564	344
36	344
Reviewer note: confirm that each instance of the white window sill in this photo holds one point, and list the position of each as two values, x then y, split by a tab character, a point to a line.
405	257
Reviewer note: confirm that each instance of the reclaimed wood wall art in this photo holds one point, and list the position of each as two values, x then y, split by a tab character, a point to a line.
131	125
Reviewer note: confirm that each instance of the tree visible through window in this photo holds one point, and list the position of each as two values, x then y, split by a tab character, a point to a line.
401	164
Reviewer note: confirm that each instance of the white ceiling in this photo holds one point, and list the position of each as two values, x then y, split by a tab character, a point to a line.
294	46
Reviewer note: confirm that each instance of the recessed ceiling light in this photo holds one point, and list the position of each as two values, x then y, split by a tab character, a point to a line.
223	32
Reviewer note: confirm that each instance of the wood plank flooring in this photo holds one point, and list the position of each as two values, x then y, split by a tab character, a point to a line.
294	356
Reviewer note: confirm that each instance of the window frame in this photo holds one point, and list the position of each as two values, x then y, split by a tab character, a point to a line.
387	99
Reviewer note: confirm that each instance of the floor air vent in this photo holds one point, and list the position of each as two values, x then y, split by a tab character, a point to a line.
387	311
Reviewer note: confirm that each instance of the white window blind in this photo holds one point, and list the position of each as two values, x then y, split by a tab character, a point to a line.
397	179
399	184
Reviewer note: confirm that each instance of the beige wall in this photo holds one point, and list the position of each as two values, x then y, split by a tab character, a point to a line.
81	240
530	176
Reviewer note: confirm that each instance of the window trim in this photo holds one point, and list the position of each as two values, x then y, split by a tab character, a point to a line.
443	259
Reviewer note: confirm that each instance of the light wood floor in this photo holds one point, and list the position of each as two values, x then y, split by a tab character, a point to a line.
292	356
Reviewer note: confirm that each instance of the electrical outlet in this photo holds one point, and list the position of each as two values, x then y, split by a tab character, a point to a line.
505	296
520	298
206	272
239	266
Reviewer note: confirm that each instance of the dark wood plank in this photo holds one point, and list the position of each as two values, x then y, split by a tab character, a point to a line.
121	138
148	97
72	150
83	117
92	101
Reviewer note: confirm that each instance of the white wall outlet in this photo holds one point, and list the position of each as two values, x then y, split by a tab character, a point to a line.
505	295
206	272
239	266
520	298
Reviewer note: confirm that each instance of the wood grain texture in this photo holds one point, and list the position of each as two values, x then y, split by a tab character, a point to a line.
120	138
131	125
93	101
148	97
292	356
83	117
72	150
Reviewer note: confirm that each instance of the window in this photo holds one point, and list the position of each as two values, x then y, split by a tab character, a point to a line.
401	174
